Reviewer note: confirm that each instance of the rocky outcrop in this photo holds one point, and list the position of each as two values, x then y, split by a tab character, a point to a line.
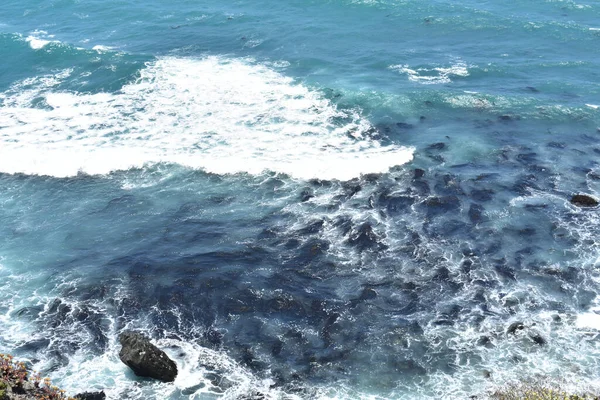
90	396
144	358
18	383
583	200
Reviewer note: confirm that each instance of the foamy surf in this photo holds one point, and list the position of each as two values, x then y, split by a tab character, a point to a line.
432	76
221	115
39	39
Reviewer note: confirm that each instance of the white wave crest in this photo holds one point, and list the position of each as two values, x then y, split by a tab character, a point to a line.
220	115
39	39
430	76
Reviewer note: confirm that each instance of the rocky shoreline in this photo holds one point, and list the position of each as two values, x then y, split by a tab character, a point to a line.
17	382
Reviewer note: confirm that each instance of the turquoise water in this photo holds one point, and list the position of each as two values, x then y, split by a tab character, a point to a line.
302	199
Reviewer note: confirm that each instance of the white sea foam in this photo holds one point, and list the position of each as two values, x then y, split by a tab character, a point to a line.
195	366
429	76
102	49
39	39
221	115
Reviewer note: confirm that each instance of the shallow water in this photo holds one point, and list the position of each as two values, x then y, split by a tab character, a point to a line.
334	200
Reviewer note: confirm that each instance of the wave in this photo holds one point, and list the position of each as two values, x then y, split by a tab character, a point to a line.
217	114
436	75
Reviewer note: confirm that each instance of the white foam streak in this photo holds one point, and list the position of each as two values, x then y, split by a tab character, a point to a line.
429	76
223	116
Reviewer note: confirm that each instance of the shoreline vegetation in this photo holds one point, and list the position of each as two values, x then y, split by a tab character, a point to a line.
17	382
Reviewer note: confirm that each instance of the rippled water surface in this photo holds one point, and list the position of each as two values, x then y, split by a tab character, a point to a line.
301	199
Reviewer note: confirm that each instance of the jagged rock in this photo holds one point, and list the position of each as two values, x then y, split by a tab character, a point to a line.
583	200
144	358
90	396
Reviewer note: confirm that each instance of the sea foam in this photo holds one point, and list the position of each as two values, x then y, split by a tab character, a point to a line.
221	115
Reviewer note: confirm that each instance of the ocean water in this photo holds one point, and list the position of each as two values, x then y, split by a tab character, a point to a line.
335	199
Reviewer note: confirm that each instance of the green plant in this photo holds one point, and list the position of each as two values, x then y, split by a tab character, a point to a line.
14	375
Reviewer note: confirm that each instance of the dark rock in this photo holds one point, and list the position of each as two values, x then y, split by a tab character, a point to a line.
442	204
419	173
351	188
514	327
306	194
35	345
90	396
312	228
421	188
526	158
449	228
476	213
557	145
252	396
526	232
537	338
504	270
436	146
30	312
144	358
583	200
448	184
482	195
365	238
312	249
396	204
524	184
368	294
404	125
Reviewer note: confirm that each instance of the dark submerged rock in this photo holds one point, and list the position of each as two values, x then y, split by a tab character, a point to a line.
306	194
404	125
485	341
482	195
537	338
399	203
368	294
514	327
365	238
508	117
252	396
441	204
90	396
144	358
476	213
583	200
437	146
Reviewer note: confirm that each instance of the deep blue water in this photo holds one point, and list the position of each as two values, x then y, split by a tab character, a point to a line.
344	199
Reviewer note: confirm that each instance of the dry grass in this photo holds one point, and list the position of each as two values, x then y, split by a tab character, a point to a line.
539	391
